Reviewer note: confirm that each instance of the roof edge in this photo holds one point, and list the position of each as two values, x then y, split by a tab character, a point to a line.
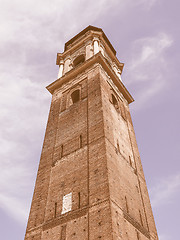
86	30
98	58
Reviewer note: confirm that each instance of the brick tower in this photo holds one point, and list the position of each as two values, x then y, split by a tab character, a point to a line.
90	183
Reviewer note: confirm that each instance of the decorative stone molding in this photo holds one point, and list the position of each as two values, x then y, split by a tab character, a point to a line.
102	49
117	70
81	51
61	67
67	64
89	49
69	101
96	45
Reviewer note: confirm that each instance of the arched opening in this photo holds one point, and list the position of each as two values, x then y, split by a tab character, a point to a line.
75	96
114	101
80	59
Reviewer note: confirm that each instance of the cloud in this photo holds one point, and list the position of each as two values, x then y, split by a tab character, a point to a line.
30	38
31	34
22	114
143	4
148	66
149	49
164	192
12	205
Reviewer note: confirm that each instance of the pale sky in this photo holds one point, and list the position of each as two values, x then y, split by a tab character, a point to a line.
146	36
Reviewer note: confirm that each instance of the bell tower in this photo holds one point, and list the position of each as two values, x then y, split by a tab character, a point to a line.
90	183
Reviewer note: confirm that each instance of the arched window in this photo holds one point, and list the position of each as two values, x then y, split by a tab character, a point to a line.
78	60
114	102
75	96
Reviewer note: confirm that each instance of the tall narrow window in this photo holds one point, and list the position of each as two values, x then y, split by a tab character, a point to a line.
127	208
80	141
63	233
118	148
75	96
114	102
130	161
55	209
123	111
140	217
79	200
61	151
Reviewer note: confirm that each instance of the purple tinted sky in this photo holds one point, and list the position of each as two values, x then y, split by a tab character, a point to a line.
145	34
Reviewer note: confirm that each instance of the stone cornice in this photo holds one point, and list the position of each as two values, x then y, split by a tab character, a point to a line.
98	58
85	32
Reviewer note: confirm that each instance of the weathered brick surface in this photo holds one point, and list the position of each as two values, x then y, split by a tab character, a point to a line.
100	222
126	179
90	153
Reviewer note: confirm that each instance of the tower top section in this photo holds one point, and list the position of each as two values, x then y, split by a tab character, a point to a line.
85	45
85	50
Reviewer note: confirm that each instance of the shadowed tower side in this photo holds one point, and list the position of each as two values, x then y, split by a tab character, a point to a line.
90	182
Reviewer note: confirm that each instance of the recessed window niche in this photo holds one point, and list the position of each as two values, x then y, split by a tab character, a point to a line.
114	101
80	59
75	96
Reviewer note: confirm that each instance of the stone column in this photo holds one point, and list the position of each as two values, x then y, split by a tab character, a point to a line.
119	74
101	49
96	45
61	67
117	71
67	64
89	50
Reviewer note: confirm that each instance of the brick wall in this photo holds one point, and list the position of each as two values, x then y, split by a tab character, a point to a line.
90	154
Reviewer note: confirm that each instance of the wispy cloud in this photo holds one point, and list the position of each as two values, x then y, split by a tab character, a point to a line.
165	190
143	4
30	36
147	4
22	111
148	66
149	49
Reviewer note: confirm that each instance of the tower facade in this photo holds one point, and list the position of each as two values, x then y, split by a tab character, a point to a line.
90	183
